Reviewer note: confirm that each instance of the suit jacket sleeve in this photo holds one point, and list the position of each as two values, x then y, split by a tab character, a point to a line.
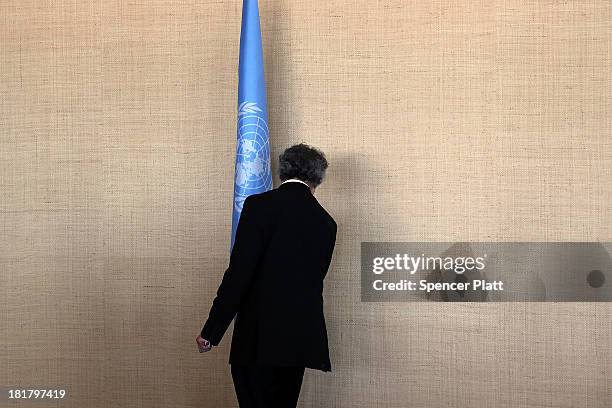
246	253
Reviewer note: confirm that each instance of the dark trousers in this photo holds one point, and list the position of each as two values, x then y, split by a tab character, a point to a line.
267	386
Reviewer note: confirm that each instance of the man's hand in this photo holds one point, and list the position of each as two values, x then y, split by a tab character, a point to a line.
203	345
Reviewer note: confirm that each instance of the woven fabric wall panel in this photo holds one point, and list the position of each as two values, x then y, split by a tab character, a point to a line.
442	121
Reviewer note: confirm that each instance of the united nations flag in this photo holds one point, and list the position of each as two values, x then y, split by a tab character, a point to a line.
253	174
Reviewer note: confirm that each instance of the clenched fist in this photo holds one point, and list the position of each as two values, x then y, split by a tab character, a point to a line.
203	344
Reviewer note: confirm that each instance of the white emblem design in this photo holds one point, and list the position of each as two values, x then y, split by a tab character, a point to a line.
253	174
248	107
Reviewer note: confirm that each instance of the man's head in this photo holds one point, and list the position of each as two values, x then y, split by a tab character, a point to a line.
304	163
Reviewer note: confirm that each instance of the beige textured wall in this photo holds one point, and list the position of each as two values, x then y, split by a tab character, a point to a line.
443	121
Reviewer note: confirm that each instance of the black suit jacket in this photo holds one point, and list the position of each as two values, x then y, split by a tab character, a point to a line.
274	283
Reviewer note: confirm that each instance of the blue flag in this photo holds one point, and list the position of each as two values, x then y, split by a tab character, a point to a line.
253	174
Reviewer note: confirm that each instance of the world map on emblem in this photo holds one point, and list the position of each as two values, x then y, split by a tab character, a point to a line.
253	173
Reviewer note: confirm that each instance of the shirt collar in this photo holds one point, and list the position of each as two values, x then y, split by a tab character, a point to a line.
293	180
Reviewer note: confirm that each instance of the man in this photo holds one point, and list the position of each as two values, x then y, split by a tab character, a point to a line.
274	286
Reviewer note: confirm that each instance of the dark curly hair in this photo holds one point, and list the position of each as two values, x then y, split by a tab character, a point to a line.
302	162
